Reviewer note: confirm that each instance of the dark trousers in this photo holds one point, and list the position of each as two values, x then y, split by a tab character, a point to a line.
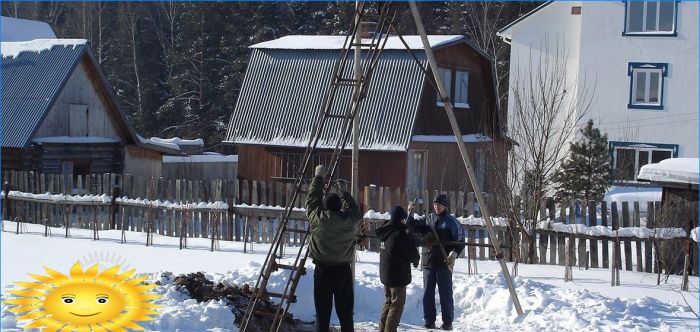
442	277
333	283
394	300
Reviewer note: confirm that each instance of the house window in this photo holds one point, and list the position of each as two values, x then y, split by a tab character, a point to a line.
656	18
646	85
290	165
461	98
417	164
446	78
629	157
456	83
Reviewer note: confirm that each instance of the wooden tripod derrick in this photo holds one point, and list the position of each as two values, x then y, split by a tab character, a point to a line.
384	14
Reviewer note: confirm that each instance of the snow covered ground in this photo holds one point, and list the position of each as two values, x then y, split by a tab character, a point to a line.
481	301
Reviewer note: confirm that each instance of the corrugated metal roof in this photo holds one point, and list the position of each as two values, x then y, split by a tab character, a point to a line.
283	91
31	81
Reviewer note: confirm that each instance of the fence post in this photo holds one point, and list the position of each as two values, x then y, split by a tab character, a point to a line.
113	208
593	242
627	243
615	226
6	203
648	244
637	243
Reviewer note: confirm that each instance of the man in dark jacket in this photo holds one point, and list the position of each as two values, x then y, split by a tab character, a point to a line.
397	254
437	268
332	224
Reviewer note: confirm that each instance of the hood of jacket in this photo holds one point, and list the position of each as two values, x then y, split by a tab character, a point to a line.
389	227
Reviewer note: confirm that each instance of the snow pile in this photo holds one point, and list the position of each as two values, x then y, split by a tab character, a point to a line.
694	234
13	49
178	311
218	205
371	214
482	301
301	42
15	30
104	198
473	221
181	313
681	170
632	194
639	232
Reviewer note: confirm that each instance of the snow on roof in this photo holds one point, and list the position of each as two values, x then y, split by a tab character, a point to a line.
631	194
681	170
159	143
471	138
75	139
16	29
300	42
322	143
201	158
13	49
179	141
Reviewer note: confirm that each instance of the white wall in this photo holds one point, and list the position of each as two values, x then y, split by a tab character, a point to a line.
605	52
551	29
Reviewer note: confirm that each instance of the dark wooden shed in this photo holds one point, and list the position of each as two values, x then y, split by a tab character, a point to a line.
405	137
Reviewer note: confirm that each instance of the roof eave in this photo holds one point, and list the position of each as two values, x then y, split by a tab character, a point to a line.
113	99
503	31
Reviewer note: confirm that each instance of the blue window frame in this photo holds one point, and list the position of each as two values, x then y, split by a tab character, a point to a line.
629	157
651	18
646	85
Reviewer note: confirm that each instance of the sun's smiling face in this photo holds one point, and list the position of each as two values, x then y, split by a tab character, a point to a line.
86	303
84	300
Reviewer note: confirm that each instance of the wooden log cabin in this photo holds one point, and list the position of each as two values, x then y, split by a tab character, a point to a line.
60	115
405	138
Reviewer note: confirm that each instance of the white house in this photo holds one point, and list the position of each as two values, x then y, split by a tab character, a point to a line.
643	59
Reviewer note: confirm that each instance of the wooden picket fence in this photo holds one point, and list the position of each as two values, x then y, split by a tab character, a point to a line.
251	216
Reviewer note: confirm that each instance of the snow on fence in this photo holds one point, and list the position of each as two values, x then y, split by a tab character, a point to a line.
249	211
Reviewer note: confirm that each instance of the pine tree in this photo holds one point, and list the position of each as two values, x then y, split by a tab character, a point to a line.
586	172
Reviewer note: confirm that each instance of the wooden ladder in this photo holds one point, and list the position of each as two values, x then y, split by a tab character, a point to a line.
385	14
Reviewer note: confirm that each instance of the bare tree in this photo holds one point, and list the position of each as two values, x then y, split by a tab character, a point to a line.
547	106
131	20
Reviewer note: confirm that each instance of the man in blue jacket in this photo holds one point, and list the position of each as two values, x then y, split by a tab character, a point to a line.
437	269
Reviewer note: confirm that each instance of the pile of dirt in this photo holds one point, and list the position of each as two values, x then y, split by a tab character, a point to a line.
201	289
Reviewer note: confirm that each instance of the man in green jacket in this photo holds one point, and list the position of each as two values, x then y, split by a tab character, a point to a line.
333	222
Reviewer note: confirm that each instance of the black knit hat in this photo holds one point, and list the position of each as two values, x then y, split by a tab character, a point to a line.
398	213
332	202
442	199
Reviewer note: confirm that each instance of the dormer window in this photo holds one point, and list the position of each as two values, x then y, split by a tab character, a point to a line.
456	83
652	18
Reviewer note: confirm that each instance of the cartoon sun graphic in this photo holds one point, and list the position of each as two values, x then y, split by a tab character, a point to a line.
85	300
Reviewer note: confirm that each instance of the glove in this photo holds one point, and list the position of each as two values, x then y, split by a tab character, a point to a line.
320	171
411	207
451	260
415	263
342	185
